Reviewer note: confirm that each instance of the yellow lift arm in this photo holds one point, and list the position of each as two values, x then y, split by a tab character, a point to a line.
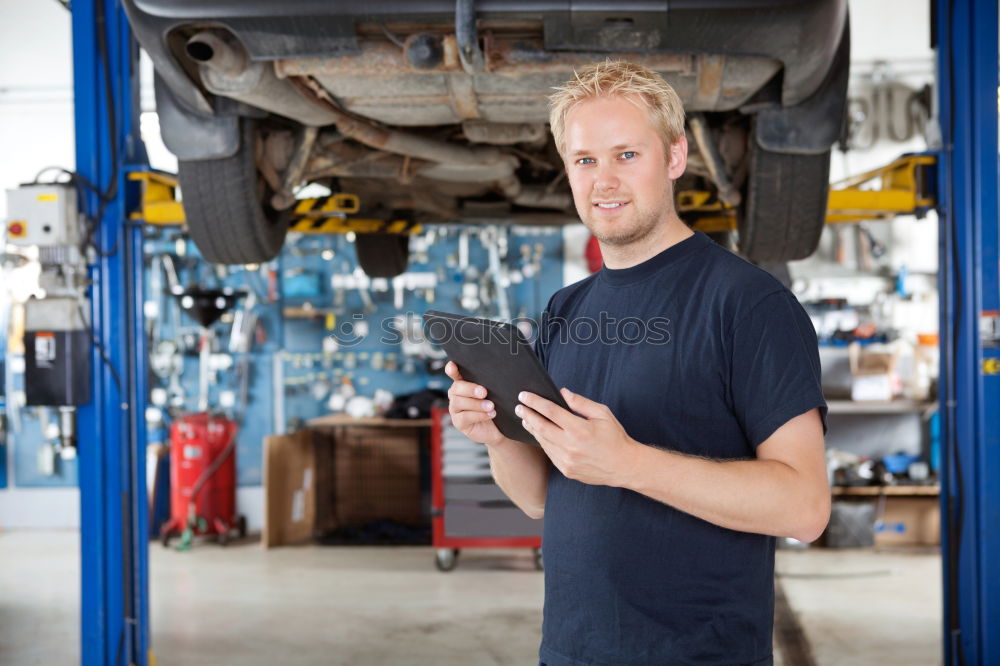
899	188
321	215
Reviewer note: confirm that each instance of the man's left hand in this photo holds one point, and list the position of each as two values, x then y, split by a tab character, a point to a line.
592	448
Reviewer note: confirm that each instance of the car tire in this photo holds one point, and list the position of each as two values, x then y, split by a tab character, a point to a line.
382	255
785	208
227	206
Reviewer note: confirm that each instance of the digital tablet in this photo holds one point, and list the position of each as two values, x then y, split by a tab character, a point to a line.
494	355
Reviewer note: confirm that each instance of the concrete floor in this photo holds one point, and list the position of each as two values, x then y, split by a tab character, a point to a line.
389	606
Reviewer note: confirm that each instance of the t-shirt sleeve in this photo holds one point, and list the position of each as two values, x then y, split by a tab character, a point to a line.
543	335
775	370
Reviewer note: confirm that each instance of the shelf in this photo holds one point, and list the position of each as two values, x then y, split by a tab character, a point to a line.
301	312
874	491
331	420
882	407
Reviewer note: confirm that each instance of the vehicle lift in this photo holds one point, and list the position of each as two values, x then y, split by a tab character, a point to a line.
114	530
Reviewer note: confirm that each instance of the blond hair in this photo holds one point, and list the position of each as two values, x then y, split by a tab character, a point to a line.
613	78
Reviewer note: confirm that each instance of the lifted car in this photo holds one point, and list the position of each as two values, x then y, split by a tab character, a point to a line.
437	111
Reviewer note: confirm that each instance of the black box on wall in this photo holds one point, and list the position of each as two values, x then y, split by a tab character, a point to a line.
57	368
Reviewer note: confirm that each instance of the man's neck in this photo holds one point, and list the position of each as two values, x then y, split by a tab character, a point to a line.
627	256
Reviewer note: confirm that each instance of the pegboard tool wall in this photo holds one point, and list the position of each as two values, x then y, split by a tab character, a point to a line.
308	298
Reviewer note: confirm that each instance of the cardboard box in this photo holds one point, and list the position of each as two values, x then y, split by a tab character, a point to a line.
851	525
909	521
341	473
289	488
873	373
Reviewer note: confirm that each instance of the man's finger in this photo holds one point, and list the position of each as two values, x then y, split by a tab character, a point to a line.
467	389
465	419
451	369
584	406
463	404
547	408
536	424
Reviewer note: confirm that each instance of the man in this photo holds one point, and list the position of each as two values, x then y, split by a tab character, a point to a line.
697	423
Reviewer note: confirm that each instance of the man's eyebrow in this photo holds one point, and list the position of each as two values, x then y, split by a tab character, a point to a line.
620	146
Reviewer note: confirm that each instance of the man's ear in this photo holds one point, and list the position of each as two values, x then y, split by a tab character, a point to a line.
678	158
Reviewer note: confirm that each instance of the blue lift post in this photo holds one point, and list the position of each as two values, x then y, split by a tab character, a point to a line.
967	33
114	534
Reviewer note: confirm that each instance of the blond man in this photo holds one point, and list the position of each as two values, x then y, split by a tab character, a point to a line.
697	423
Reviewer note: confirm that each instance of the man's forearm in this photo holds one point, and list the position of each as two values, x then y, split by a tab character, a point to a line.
522	472
761	496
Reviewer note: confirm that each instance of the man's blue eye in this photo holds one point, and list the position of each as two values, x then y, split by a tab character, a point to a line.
585	160
628	154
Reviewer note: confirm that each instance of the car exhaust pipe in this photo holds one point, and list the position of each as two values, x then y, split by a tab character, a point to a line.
217	51
226	70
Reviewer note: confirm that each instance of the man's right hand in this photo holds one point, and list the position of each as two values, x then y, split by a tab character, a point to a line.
470	411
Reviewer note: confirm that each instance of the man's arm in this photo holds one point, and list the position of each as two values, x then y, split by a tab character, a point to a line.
783	492
521	470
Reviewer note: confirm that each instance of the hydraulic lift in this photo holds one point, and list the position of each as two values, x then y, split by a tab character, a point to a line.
114	530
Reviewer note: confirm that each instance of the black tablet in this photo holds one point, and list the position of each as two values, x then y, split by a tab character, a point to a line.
494	355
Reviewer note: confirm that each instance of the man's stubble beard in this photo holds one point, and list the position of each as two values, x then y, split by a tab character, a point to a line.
646	222
643	227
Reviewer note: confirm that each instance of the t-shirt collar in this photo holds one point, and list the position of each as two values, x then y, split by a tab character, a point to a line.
673	254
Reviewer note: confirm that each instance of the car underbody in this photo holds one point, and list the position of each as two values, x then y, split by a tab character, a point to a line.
441	115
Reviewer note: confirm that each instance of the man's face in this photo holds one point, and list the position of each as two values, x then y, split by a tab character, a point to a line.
619	171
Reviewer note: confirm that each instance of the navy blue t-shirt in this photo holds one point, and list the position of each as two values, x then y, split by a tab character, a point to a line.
698	351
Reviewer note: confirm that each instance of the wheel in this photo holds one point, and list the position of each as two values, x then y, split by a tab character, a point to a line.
785	205
227	205
241	526
538	559
382	255
165	534
445	559
223	538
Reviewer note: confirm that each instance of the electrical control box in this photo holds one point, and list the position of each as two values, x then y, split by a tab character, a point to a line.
57	368
43	214
56	353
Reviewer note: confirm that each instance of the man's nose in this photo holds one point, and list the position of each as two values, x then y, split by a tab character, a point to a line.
606	179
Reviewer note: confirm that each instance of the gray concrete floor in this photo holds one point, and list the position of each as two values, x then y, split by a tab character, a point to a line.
389	606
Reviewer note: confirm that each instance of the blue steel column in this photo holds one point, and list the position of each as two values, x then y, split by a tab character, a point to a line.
970	402
113	534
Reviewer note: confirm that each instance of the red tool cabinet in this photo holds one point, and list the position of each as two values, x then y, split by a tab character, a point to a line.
468	509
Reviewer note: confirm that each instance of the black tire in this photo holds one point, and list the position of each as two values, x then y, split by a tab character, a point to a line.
785	207
165	535
382	255
227	205
241	527
446	559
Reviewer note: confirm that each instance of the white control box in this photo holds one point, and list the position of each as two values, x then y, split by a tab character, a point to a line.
43	215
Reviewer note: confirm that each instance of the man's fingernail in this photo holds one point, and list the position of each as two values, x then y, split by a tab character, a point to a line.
480	392
493	415
521	396
487	405
519	410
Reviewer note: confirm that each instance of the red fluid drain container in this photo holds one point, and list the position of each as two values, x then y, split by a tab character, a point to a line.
202	477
